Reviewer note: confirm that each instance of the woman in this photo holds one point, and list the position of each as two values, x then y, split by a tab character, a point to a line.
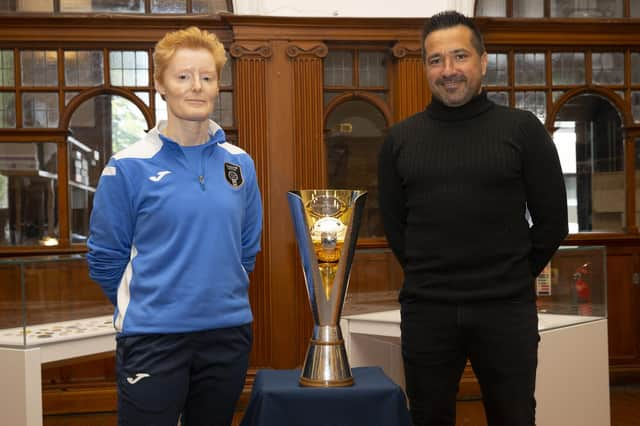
175	230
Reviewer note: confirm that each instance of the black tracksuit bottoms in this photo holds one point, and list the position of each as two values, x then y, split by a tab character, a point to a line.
196	377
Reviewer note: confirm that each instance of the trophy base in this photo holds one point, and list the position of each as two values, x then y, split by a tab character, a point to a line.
326	365
325	383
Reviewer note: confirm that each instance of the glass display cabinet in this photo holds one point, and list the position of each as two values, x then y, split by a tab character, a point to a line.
50	310
572	384
572	287
49	299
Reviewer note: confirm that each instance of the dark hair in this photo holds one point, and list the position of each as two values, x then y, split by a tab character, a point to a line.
448	19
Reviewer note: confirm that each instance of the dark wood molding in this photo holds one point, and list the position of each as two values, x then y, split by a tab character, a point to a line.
404	49
315	49
510	32
240	50
81	29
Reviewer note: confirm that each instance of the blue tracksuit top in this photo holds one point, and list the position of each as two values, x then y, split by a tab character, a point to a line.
170	245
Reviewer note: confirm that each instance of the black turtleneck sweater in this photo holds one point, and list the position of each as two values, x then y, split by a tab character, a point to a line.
455	183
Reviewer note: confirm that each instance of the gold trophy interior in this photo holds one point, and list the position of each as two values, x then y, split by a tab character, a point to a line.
326	222
328	215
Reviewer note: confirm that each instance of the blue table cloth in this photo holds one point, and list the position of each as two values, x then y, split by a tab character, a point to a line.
278	400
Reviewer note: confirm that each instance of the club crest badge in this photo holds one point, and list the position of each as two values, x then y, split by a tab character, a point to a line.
233	175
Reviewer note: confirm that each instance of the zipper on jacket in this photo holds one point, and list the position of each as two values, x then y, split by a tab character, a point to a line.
202	168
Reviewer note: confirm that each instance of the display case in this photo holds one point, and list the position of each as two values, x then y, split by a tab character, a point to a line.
572	288
50	310
50	299
572	382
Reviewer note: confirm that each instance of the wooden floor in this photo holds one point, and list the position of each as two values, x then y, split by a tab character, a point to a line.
625	411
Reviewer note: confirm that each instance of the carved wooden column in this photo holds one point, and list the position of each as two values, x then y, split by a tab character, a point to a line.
251	117
308	117
309	158
411	88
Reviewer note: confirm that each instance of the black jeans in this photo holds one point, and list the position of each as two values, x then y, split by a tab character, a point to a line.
500	338
199	375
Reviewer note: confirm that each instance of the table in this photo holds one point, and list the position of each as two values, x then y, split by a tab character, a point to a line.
572	381
279	400
21	364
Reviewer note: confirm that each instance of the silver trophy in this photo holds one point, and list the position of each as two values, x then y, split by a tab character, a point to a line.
326	223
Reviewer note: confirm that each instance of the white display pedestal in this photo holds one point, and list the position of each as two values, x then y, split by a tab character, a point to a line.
21	365
573	369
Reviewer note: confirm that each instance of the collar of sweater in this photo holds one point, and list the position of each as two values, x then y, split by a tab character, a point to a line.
476	106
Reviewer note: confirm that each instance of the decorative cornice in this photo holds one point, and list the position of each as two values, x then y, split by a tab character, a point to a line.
402	49
238	50
319	50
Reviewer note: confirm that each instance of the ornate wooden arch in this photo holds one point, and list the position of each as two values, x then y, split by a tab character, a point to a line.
358	95
625	118
97	91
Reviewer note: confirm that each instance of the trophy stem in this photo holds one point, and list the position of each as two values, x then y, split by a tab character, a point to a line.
326	363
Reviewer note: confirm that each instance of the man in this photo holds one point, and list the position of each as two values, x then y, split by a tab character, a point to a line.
456	182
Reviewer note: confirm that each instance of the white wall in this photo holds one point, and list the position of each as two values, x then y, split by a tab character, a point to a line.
351	8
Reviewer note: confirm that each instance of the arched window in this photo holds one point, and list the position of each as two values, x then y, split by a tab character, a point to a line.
589	139
353	139
101	126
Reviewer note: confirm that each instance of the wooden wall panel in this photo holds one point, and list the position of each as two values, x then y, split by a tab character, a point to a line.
410	86
251	118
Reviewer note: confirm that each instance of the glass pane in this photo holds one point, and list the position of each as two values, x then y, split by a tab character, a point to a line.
168	6
372	69
161	108
586	8
497	70
121	6
534	102
352	144
68	96
530	69
500	98
590	145
226	76
338	68
491	8
327	96
129	68
83	68
567	68
26	6
7	109
7	71
635	106
28	187
100	126
635	67
608	68
39	67
144	96
39	109
557	94
209	6
223	111
635	8
528	9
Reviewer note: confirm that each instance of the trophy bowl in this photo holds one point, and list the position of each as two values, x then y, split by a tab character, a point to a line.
326	223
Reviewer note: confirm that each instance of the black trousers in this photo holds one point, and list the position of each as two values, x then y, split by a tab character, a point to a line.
197	376
499	338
